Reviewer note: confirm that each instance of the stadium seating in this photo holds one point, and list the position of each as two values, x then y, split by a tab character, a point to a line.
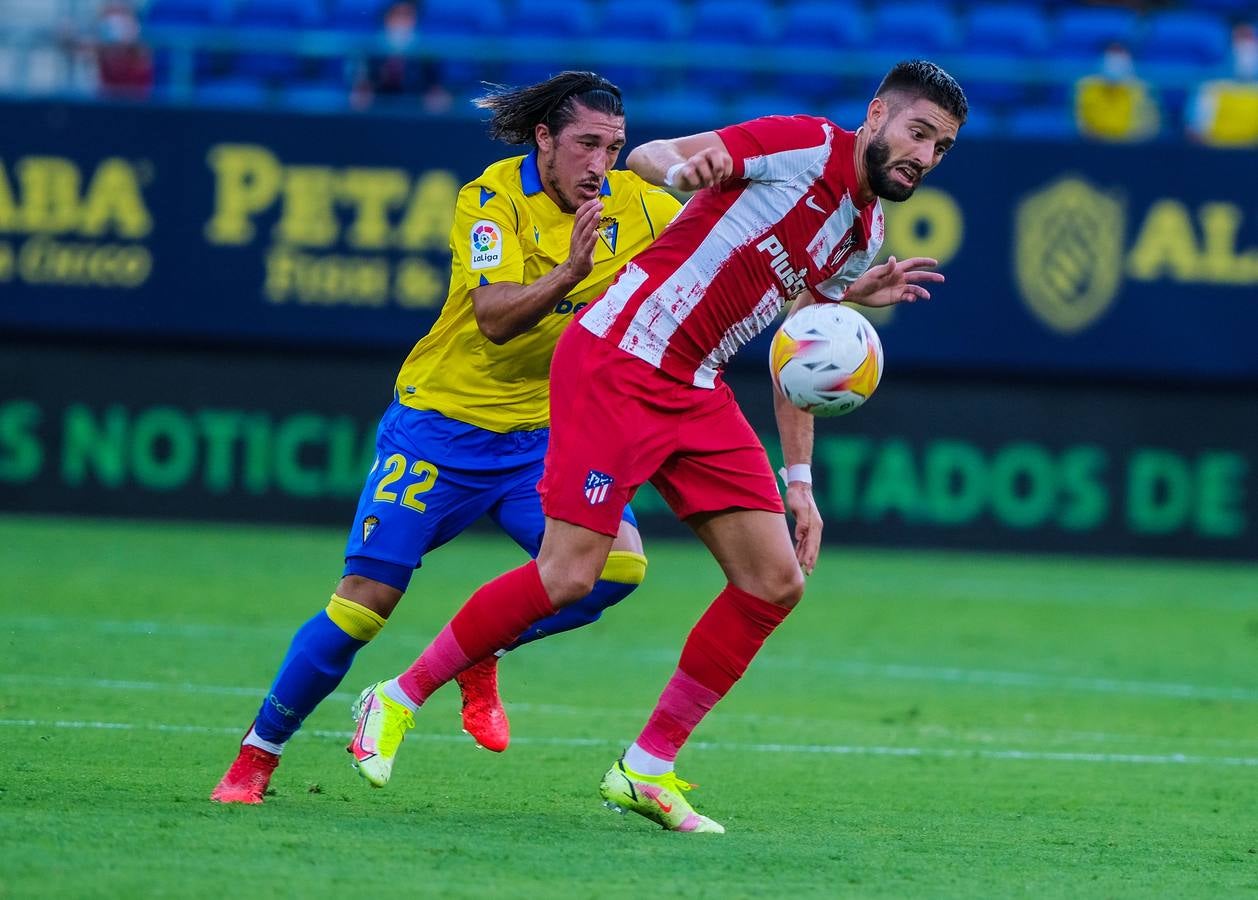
546	20
185	12
912	28
720	29
1083	32
1054	122
454	21
356	15
1184	36
1018	60
1009	30
641	22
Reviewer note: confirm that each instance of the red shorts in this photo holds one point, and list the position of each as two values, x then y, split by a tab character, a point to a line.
617	422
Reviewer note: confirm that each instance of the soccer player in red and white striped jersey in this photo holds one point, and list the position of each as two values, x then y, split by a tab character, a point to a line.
787	212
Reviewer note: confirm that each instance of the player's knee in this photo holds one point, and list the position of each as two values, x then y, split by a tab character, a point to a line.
567	583
786	589
378	597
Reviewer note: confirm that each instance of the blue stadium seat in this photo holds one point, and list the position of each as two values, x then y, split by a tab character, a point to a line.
550	19
1085	31
847	113
821	23
458	19
274	15
753	106
914	28
357	15
277	14
1005	29
1184	36
546	20
748	22
980	123
185	12
682	111
658	21
716	26
1042	123
820	28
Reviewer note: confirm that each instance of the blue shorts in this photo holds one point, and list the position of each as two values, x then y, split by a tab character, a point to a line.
433	477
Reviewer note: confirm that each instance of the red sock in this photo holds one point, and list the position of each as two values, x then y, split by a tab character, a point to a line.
492	618
717	653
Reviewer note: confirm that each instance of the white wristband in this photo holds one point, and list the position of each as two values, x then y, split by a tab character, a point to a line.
671	175
801	472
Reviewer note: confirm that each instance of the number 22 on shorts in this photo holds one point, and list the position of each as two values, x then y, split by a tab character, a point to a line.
395	467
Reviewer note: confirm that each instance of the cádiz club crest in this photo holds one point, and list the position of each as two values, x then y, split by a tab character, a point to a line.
1069	253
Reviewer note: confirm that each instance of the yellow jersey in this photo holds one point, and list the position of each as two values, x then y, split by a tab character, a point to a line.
1115	110
1225	113
507	230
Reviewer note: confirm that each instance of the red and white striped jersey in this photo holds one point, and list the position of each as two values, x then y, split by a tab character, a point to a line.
726	266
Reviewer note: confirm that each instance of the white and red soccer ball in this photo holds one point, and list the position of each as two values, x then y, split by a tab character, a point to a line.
826	359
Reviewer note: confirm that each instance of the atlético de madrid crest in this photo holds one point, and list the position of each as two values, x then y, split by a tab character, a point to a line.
597	486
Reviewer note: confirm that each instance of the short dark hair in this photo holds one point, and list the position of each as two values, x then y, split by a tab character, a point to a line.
921	78
518	111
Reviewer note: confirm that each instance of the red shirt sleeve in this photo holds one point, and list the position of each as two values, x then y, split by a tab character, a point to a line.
769	135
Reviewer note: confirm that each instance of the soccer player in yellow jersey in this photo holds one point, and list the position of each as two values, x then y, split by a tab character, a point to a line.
535	238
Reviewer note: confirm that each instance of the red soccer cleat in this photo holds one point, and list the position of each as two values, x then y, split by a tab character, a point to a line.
246	780
483	716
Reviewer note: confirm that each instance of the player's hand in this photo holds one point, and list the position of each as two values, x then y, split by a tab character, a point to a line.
803	509
705	168
584	239
895	282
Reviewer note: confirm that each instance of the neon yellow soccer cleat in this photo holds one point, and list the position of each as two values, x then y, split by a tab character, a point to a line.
656	797
382	723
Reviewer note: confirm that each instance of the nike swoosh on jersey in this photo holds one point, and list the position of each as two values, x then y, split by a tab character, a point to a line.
811	202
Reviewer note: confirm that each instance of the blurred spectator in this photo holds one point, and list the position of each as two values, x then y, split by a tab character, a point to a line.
1114	104
397	74
123	65
1224	112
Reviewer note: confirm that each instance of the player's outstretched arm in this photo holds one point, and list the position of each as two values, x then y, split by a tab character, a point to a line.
507	309
685	163
795	427
894	282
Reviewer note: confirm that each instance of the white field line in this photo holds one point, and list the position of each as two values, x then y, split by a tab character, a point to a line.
842	668
1151	759
558	709
853	669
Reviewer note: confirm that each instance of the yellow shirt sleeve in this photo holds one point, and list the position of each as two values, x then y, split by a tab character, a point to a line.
485	238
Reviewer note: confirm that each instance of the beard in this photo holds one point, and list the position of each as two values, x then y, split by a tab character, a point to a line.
552	176
877	159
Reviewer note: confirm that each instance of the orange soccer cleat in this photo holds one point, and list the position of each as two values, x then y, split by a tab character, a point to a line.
483	716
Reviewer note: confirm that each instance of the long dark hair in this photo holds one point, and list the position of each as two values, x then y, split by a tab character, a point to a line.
518	111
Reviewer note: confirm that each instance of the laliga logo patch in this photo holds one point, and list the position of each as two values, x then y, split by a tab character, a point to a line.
486	244
369	526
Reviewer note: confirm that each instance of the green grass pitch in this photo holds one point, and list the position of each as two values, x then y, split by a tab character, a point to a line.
925	725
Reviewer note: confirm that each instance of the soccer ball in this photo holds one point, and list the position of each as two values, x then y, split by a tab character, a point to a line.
826	359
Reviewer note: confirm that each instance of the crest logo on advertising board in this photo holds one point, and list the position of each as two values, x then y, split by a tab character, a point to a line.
1069	253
